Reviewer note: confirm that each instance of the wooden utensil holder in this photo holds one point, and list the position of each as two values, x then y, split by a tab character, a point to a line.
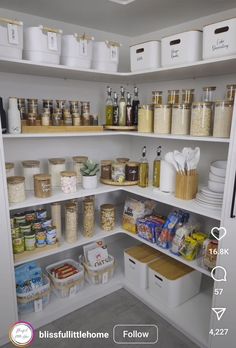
186	186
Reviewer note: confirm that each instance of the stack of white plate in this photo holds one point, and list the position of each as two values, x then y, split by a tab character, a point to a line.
212	196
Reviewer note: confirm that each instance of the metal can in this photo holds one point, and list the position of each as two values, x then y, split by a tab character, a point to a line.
30	216
46	223
25	228
29	240
51	235
41	238
37	225
41	214
18	243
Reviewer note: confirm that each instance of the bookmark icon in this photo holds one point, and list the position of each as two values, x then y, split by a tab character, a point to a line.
219	312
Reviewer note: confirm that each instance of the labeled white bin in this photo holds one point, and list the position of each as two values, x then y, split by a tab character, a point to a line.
172	282
183	48
100	274
106	56
136	260
69	286
76	51
146	55
42	45
11	38
219	39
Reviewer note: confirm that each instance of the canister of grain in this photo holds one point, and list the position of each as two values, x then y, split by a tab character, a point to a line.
42	185
107	217
16	189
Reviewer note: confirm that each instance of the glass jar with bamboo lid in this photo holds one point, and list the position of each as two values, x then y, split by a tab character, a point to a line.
107	217
42	185
16	189
78	162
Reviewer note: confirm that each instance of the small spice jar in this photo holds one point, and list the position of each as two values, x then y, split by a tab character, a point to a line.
30	241
107	217
68	182
67	118
30	168
231	90
173	96
32	106
145	119
222	119
55	167
74	106
57	117
201	119
106	169
181	117
16	189
85	113
18	243
45	117
48	104
162	119
89	217
78	162
60	104
118	172
32	119
187	96
208	94
76	119
42	185
132	171
56	218
10	169
22	107
70	223
157	97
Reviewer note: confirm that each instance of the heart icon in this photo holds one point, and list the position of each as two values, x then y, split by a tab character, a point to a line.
221	231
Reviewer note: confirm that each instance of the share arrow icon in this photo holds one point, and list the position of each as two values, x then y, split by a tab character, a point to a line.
219	312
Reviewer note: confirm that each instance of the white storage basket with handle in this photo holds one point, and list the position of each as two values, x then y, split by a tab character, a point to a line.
183	48
219	39
77	51
42	44
100	274
146	55
106	56
11	38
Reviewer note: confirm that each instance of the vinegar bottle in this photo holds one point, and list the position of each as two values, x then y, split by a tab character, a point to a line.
157	168
122	108
109	108
135	106
143	169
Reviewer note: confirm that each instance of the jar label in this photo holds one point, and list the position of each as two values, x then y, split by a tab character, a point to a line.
13	37
105	278
52	41
114	53
83	47
72	291
45	187
38	305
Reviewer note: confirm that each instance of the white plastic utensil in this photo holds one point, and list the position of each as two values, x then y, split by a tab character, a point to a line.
195	160
169	157
180	159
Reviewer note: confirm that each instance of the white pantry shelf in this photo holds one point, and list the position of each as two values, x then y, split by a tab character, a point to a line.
203	68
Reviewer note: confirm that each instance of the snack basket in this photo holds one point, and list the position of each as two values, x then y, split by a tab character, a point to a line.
69	286
35	300
100	274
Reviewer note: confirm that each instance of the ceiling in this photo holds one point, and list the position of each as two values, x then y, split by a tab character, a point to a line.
136	18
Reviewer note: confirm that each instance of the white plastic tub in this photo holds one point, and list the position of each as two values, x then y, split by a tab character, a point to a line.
172	282
105	56
36	300
70	286
146	55
77	51
183	48
101	274
11	38
42	44
219	39
136	264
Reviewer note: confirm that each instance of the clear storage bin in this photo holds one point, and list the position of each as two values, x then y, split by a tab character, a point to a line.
70	286
35	300
101	274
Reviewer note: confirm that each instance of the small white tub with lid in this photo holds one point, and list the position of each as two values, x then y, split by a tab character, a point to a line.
42	44
183	48
219	39
146	55
77	51
106	56
136	262
172	282
11	38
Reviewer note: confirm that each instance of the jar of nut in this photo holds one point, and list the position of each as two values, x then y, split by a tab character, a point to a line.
107	217
89	217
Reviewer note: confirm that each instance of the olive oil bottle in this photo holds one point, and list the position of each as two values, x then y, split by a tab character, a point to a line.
157	168
109	108
143	169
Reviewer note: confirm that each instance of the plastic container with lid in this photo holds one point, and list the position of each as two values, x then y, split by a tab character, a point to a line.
30	168
106	56
16	189
78	162
68	181
11	38
222	119
107	217
145	119
136	260
55	167
181	116
172	282
42	185
10	169
162	119
146	55
201	119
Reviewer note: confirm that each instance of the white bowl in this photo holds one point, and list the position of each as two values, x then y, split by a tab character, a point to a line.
219	168
216	186
216	178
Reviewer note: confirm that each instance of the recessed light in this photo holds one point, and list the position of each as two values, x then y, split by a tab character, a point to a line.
122	2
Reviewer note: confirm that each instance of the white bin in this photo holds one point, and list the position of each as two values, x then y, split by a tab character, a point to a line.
136	261
77	51
11	38
106	56
145	56
184	48
100	274
219	39
42	44
172	282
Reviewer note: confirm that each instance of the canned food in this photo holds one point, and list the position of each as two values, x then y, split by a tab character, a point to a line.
51	235
41	237
19	218
30	216
25	227
46	223
30	241
41	214
37	225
